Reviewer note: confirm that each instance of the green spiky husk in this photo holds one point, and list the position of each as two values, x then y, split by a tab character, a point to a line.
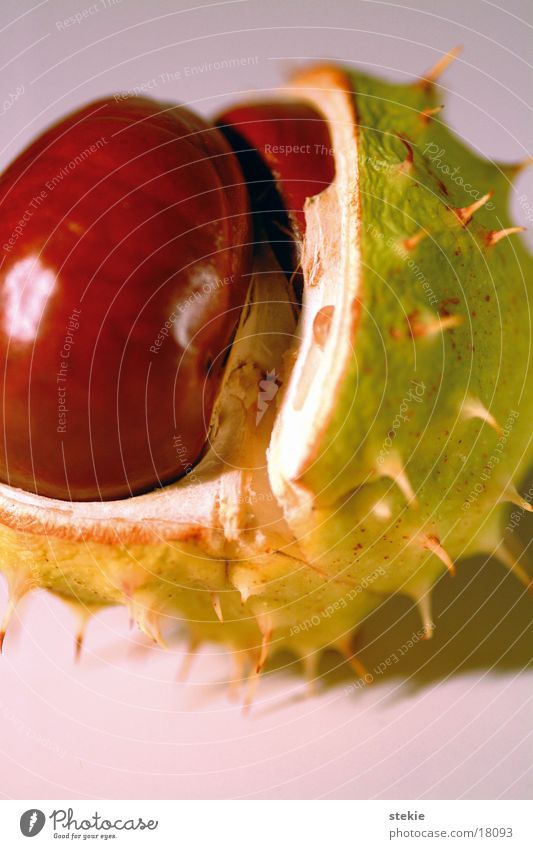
297	547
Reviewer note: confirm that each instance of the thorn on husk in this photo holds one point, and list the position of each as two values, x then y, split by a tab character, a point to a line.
473	408
412	241
465	213
495	236
433	544
217	607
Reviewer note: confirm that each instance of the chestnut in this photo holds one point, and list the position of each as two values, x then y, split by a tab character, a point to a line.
125	245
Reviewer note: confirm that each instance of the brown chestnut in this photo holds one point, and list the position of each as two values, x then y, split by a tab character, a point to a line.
125	237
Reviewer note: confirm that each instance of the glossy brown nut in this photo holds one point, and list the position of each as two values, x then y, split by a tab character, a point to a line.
125	235
285	146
